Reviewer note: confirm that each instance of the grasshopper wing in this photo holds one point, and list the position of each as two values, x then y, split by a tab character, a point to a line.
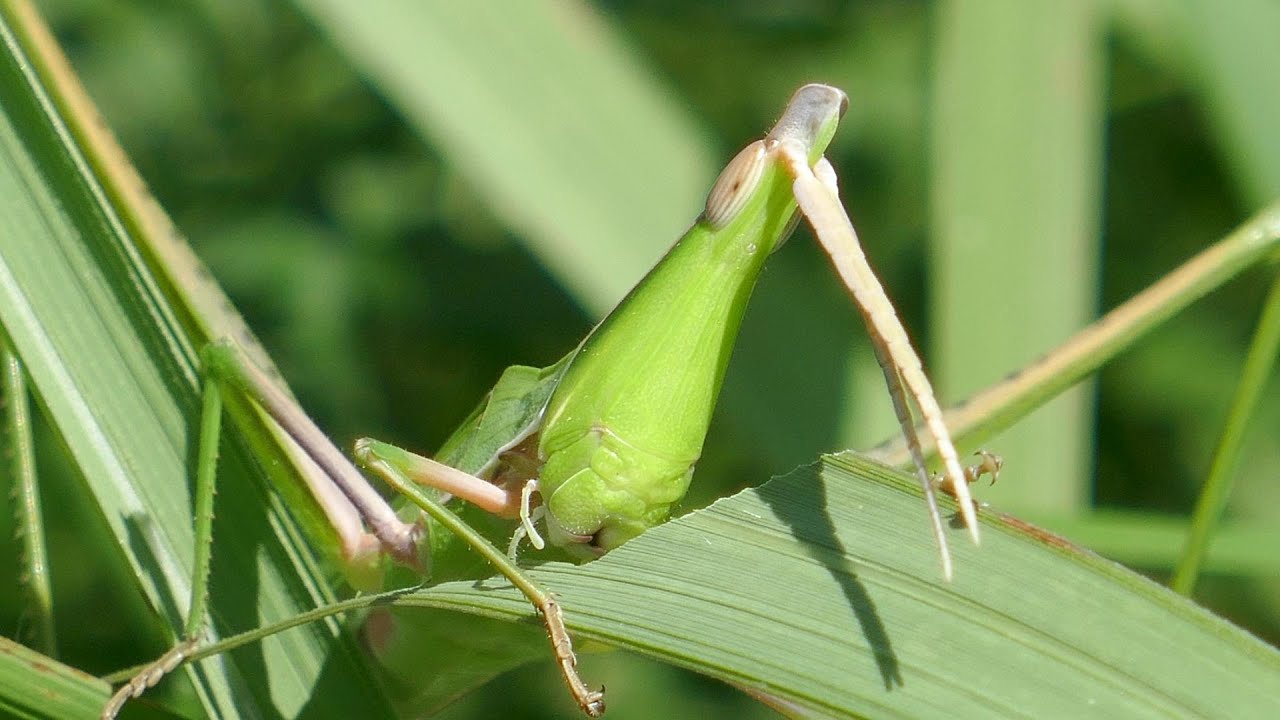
509	414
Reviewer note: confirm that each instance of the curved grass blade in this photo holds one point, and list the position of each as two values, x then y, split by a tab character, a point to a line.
845	615
110	366
37	686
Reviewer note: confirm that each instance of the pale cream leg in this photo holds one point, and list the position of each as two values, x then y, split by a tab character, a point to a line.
818	197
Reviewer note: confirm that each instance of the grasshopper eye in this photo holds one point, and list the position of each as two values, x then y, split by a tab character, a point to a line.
736	183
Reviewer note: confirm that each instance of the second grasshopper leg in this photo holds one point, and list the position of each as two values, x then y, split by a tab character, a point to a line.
389	462
206	476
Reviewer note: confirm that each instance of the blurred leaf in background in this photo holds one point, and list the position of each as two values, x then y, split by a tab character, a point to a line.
404	198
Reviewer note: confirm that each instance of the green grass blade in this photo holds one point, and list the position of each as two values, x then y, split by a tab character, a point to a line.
1001	405
1230	56
1148	540
107	365
18	451
1017	146
535	103
1255	374
845	613
38	687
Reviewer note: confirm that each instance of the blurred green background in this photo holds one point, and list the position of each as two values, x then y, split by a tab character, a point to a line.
403	198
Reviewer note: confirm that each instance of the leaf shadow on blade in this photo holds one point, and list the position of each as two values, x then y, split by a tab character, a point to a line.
803	509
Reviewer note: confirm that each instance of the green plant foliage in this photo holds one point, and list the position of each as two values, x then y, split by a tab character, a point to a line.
406	199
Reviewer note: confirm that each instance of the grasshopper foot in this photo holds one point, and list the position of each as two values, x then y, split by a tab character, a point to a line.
149	676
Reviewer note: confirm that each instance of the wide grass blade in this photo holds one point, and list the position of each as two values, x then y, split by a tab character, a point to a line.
1018	153
821	587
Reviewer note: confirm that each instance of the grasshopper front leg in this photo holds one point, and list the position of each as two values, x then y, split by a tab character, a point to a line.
511	496
818	196
406	473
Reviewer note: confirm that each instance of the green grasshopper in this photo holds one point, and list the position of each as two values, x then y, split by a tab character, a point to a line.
600	446
608	436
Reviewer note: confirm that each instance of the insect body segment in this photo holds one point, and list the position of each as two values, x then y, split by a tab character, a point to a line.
612	491
626	424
